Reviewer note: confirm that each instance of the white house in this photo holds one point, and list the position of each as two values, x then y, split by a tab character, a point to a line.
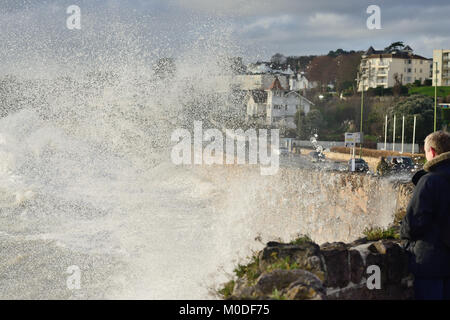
275	105
300	82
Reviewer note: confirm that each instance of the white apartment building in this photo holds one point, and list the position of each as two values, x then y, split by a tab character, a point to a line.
441	67
385	69
276	105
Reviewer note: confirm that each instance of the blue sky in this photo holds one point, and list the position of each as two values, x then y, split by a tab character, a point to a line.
255	28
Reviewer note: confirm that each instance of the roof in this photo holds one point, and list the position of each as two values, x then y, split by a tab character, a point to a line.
302	97
405	53
276	85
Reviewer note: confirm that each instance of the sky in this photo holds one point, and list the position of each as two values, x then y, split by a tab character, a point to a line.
256	28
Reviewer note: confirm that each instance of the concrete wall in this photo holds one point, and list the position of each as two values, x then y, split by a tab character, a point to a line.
407	147
328	206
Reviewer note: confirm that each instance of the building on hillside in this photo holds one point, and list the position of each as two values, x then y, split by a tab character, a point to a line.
276	105
260	81
381	68
299	82
441	67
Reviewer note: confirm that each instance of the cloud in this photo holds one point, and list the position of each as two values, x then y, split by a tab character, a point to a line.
293	27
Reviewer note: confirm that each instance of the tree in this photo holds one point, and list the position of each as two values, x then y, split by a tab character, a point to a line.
300	122
395	46
299	63
278	59
314	122
419	105
346	70
323	70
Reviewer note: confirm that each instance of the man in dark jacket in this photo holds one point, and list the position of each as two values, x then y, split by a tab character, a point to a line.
426	225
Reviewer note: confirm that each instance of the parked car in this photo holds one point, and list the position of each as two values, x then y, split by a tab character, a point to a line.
316	156
360	165
400	163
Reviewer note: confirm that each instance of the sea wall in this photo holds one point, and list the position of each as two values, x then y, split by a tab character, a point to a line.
328	206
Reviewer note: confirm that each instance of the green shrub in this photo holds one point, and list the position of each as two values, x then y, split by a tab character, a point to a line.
276	295
251	270
301	239
227	290
375	234
283	264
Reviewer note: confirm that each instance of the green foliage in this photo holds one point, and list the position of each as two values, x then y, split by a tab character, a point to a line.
276	295
374	234
395	46
380	91
301	239
282	264
227	290
419	105
429	91
310	124
251	270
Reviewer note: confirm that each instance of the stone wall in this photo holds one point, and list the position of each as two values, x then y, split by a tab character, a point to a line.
332	271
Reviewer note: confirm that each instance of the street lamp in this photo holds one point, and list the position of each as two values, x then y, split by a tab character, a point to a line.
435	93
362	106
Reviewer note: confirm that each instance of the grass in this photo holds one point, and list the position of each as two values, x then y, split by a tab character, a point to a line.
276	295
301	239
282	264
227	290
251	270
375	234
429	91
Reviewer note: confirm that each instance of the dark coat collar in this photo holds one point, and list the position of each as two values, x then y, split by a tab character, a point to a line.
436	162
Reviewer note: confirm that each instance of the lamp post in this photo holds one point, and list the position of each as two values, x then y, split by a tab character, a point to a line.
414	135
403	133
435	94
393	135
385	133
362	106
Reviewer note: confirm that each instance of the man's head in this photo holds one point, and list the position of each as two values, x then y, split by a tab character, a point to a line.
436	143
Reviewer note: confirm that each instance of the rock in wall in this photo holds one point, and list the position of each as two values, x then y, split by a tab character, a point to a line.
334	271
